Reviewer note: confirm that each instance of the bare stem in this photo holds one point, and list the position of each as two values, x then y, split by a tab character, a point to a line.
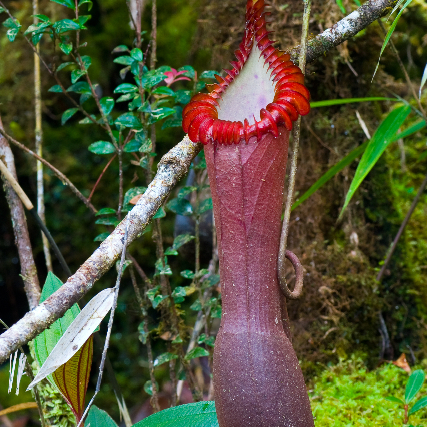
110	323
154	397
291	185
57	172
100	177
153	58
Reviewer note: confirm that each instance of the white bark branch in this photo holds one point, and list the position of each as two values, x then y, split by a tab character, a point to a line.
172	167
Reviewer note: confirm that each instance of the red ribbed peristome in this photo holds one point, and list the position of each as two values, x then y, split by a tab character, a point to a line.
200	116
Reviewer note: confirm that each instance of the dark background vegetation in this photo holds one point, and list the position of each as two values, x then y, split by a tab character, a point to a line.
338	313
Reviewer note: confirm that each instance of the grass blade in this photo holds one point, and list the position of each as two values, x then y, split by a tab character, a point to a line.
382	137
390	32
329	102
331	173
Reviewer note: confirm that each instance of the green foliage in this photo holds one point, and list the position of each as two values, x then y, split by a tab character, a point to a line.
200	414
46	341
98	418
348	394
381	139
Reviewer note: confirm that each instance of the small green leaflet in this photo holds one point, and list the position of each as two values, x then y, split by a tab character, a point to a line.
341	6
422	403
200	414
67	3
107	105
102	147
99	418
382	137
164	358
196	352
68	114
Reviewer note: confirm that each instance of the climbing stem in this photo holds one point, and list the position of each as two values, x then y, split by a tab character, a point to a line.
291	185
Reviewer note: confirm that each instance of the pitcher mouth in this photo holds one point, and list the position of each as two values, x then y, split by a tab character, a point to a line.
263	84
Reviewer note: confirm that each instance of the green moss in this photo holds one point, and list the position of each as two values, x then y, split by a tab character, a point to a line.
348	395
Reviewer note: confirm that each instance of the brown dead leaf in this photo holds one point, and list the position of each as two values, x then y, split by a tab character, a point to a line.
135	199
402	363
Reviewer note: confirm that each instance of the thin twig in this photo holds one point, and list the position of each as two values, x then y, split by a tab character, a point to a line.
57	172
283	254
153	58
110	323
402	227
100	177
154	397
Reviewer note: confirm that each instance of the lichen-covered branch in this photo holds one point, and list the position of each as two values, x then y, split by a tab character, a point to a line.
344	29
173	166
20	230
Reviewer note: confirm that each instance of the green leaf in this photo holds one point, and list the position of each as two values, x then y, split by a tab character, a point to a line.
200	414
67	3
14	26
106	211
66	47
37	27
146	146
46	341
124	60
128	120
390	32
216	312
136	54
56	89
130	194
205	206
36	38
164	358
211	280
182	96
171	251
209	74
121	48
163	269
196	306
102	147
88	2
109	220
184	191
87	120
148	82
196	352
158	299
178	294
125	88
68	114
107	105
422	403
163	90
43	18
126	97
210	341
172	123
329	102
187	274
101	237
395	400
376	146
63	65
181	240
410	130
99	418
148	388
132	146
81	20
160	114
189	71
414	384
180	207
160	214
80	87
65	25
